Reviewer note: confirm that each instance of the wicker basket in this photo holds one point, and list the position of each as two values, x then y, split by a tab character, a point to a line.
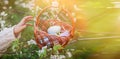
42	37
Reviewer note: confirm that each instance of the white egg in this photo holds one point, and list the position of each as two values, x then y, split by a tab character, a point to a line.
54	30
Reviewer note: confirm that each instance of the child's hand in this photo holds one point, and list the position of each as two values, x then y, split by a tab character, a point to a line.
22	25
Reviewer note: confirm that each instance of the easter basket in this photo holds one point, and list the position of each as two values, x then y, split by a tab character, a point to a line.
42	28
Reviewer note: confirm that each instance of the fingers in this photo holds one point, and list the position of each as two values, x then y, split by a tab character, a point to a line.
27	18
22	25
28	24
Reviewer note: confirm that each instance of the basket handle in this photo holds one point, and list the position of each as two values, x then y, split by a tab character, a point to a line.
62	9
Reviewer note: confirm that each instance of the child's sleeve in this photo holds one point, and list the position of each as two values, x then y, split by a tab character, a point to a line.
6	38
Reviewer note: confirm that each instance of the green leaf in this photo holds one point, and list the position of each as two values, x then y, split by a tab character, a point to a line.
57	47
15	45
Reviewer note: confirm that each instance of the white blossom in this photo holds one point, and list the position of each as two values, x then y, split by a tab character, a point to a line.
54	57
4	7
6	1
62	57
44	47
3	14
58	18
72	49
76	7
31	42
37	9
2	22
10	7
53	9
73	14
23	5
20	0
30	5
44	18
16	2
69	54
45	13
42	50
49	49
116	4
57	57
55	4
20	52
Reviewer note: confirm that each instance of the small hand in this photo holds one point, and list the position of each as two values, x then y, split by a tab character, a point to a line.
22	25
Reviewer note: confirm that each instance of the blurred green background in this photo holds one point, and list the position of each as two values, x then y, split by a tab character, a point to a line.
97	24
